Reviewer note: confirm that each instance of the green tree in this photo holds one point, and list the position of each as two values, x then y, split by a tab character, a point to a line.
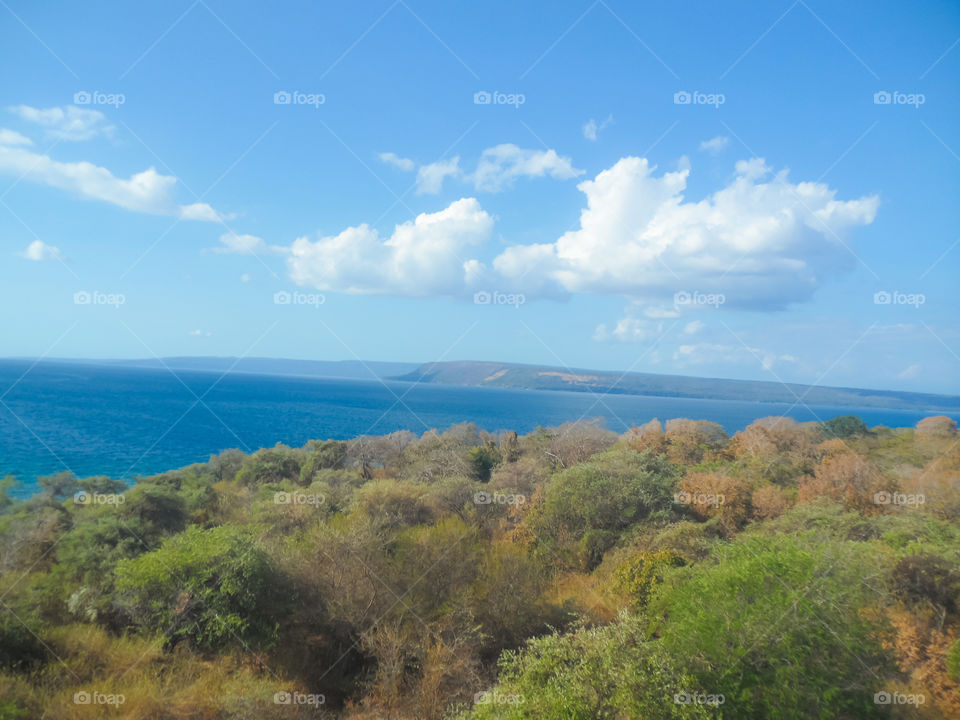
211	587
843	426
779	625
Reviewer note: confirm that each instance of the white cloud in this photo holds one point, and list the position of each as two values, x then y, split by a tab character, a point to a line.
501	165
693	327
715	145
200	333
422	257
245	278
232	243
627	329
430	177
199	211
147	192
762	241
497	169
65	123
11	137
709	353
591	128
39	250
402	163
910	372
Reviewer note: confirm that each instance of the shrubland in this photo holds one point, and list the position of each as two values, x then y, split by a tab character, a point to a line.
790	571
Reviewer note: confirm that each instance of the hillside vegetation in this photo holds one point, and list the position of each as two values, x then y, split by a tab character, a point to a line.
790	571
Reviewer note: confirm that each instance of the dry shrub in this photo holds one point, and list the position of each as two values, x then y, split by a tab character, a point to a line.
711	495
770	501
847	478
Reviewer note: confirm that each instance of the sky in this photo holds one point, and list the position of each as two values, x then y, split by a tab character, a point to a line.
742	190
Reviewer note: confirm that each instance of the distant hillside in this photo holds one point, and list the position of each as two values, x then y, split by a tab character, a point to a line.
344	369
541	377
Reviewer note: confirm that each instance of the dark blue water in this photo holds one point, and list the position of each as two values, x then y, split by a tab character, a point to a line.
125	423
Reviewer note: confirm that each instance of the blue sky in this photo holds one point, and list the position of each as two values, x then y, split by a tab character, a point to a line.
689	188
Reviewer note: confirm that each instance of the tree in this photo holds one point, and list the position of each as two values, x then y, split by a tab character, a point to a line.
590	504
212	588
270	465
843	426
780	626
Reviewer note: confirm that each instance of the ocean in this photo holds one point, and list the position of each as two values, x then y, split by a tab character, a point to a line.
127	422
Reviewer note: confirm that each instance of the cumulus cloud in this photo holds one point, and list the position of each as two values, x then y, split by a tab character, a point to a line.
693	327
715	145
501	165
11	137
591	128
39	250
402	163
147	192
66	123
421	257
430	177
762	241
498	168
238	244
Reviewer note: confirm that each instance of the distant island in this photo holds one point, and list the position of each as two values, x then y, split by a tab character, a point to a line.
545	377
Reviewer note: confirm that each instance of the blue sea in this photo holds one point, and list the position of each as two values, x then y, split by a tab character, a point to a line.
125	422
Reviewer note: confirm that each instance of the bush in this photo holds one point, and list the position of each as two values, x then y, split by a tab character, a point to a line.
210	587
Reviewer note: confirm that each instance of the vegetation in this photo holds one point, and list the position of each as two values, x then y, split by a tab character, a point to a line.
790	571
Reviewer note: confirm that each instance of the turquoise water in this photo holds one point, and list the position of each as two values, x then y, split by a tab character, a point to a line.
97	420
